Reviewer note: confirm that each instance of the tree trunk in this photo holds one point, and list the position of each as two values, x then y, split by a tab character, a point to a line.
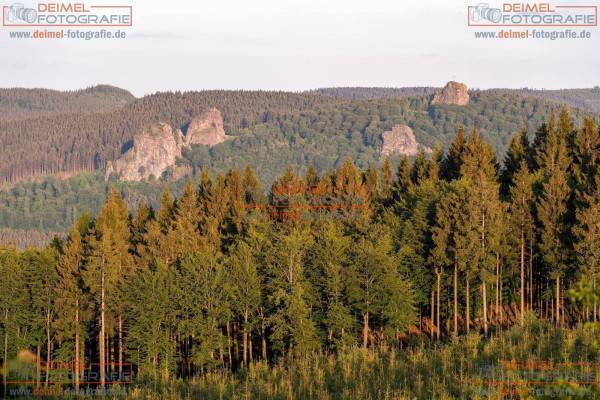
263	335
501	283
557	314
245	339
101	337
76	366
455	299
522	278
432	312
437	322
48	347
484	295
250	347
228	327
365	330
497	290
595	305
38	366
531	273
120	348
468	311
5	373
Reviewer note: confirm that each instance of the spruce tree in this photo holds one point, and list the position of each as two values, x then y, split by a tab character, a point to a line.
484	208
522	222
110	261
71	300
451	164
293	329
328	263
246	287
552	209
587	244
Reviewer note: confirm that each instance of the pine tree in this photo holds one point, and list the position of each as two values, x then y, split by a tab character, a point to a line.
403	180
109	262
386	179
293	328
552	210
13	300
246	286
252	187
328	264
420	170
517	153
586	160
70	299
522	223
376	287
435	163
443	251
483	205
151	302
184	236
587	248
451	164
203	305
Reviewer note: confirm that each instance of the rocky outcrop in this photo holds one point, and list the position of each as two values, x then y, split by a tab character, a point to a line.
453	93
158	146
401	141
154	150
206	129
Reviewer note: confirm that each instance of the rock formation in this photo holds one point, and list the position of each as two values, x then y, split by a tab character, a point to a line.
153	151
157	147
453	93
401	140
206	129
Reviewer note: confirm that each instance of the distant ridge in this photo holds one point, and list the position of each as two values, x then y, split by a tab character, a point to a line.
20	103
370	93
586	99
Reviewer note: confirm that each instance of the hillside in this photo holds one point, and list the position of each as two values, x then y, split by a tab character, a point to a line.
102	121
586	99
268	131
323	136
370	93
18	104
85	142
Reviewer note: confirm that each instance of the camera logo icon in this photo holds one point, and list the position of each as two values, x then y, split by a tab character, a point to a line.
483	12
19	13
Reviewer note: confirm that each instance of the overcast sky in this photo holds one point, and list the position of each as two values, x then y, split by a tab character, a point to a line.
297	45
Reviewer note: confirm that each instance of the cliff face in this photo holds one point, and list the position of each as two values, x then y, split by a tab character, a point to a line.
158	146
453	93
206	129
154	150
401	141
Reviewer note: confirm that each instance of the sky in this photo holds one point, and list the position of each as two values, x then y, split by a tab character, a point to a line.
297	45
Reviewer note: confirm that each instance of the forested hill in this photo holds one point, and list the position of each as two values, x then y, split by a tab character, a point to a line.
586	99
275	129
369	93
20	104
84	142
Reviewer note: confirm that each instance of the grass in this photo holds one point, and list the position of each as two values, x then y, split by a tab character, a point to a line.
465	368
537	361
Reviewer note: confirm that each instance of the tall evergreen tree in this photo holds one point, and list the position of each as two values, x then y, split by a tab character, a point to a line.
483	204
451	164
71	300
292	325
522	222
109	262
